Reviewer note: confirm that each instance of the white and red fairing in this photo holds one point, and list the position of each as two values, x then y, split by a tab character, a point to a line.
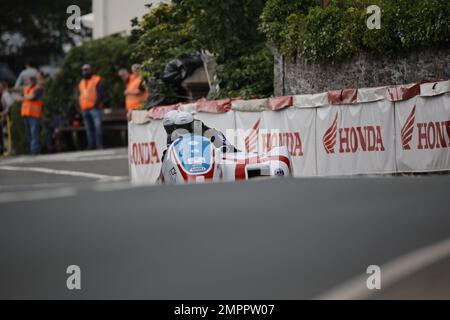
194	159
244	166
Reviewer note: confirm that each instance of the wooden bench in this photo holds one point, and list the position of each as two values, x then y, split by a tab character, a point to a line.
114	124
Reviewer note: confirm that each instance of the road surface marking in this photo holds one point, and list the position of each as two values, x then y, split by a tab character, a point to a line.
24	160
391	272
36	195
100	158
18	187
97	155
65	173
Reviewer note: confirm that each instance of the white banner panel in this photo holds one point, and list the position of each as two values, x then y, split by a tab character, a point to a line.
292	127
146	143
295	129
423	133
355	139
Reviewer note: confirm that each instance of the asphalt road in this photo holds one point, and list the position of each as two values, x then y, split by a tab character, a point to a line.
271	239
110	164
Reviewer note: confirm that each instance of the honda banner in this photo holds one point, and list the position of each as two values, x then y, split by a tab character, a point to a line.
355	139
292	127
350	131
146	143
423	133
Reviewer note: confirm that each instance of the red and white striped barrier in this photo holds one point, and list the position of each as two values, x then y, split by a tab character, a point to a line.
343	132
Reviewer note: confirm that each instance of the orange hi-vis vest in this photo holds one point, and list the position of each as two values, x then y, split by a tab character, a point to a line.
31	108
88	92
134	101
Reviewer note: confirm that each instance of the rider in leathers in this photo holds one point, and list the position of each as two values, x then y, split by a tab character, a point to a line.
177	123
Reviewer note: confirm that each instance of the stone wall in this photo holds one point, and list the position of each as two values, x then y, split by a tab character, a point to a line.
300	77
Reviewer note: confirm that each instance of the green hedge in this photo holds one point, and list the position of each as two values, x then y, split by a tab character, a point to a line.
19	139
249	75
304	28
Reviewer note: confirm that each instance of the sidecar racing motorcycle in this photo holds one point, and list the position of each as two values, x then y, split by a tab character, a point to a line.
194	159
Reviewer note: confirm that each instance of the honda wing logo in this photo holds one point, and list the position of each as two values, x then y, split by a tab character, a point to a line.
430	134
265	140
408	129
352	139
252	139
329	138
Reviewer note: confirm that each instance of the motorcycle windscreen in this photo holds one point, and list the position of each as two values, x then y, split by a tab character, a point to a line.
194	154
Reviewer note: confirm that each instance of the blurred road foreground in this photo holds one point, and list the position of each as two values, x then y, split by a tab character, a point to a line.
267	239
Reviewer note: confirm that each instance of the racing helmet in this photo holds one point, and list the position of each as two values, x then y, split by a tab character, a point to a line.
184	121
169	121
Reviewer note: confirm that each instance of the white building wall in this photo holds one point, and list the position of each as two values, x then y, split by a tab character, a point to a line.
114	16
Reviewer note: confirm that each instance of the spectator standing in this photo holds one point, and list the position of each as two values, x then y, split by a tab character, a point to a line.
31	112
135	92
90	102
24	76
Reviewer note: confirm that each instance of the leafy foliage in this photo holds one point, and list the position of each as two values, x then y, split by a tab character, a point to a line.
226	28
242	77
163	34
305	28
18	133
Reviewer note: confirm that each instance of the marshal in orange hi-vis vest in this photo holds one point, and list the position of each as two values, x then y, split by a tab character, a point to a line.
135	101
31	108
88	92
